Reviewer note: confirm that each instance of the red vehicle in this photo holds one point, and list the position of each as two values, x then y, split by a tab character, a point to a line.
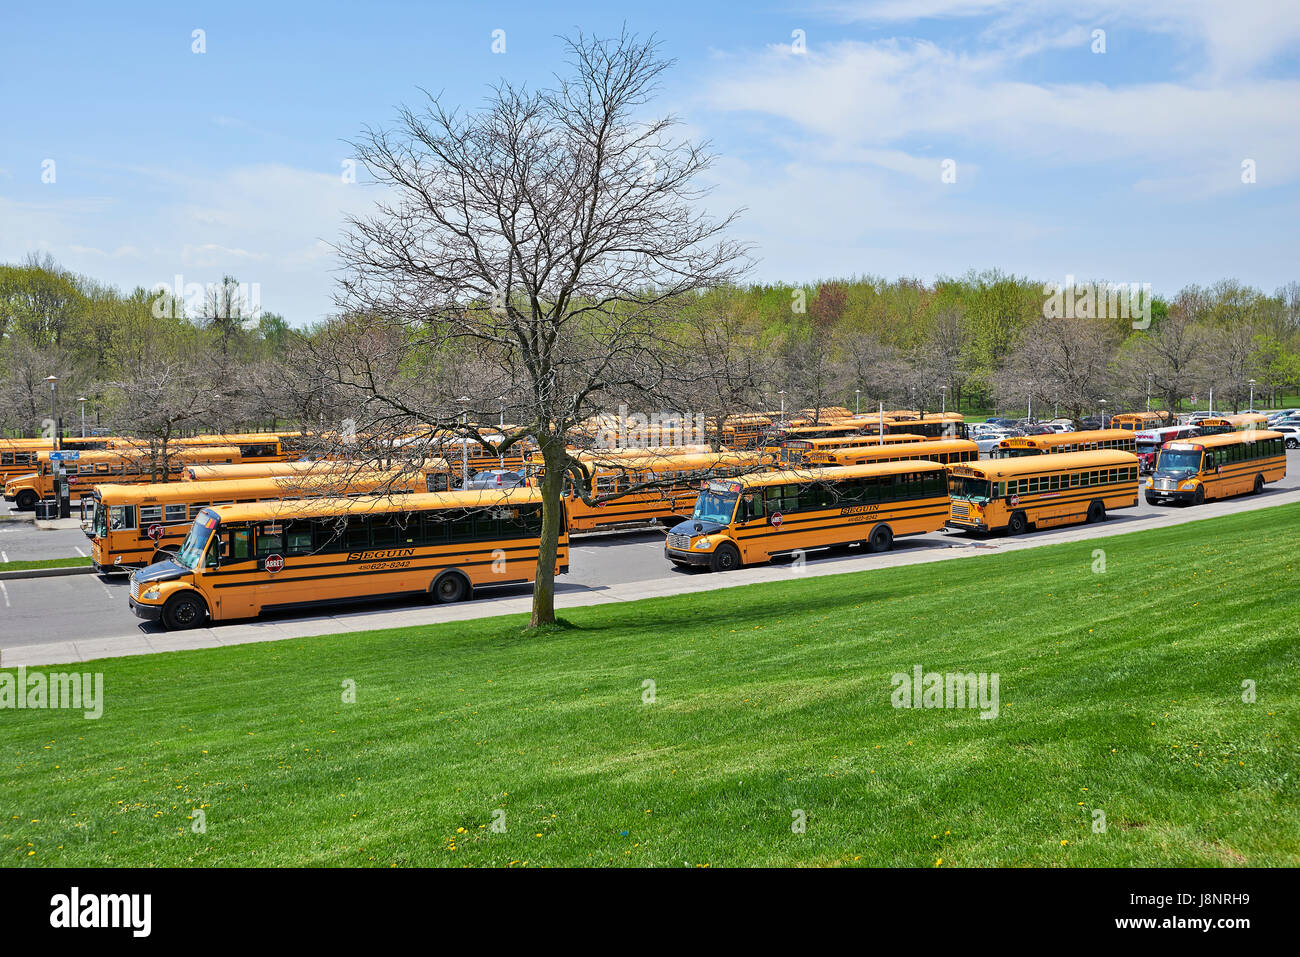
1150	441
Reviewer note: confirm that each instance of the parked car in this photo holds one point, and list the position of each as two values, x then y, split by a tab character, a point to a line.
1291	433
988	443
496	478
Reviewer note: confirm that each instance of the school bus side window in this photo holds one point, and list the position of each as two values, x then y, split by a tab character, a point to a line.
298	540
270	540
241	544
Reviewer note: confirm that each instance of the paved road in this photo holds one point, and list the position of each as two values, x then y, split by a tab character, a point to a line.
90	608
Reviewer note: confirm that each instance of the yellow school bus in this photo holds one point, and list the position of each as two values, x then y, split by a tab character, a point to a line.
436	471
108	466
798	451
943	451
1139	421
776	437
18	456
129	524
239	561
743	430
938	425
253	446
637	490
1216	466
1061	442
1248	420
1041	490
752	518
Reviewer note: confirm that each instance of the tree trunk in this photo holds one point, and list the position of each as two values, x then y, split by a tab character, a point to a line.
552	450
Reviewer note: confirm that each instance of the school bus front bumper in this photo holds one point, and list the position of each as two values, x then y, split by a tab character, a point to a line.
147	612
687	557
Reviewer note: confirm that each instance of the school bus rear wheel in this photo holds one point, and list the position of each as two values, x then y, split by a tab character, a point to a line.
1017	524
450	587
26	500
726	558
882	539
1096	513
1259	484
184	611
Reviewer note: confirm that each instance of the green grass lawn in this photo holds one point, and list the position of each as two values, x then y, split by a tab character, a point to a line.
73	562
1119	691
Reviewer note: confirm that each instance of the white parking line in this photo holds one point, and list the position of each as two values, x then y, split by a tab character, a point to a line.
79	551
4	557
111	596
4	591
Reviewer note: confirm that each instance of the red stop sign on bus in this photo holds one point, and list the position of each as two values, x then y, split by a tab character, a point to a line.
274	563
776	519
155	532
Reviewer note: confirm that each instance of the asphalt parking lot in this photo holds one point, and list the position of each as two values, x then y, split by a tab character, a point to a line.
90	607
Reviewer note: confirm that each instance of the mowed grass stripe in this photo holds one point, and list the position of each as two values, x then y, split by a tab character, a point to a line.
1119	691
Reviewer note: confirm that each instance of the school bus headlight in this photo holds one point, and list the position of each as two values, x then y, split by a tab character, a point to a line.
1150	482
702	543
1187	485
152	594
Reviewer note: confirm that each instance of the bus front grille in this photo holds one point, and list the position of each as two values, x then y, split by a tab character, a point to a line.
680	542
135	588
960	510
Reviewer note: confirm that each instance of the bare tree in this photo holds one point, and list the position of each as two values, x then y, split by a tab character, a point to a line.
720	363
544	236
1061	362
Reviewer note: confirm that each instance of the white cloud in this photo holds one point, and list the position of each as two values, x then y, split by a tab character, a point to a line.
268	224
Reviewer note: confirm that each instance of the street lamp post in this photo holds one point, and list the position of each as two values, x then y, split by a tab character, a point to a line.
502	400
1103	413
1148	391
1252	396
82	400
782	395
464	401
857	401
54	420
943	399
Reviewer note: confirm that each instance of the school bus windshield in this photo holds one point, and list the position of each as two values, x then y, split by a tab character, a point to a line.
715	506
192	550
1179	460
970	489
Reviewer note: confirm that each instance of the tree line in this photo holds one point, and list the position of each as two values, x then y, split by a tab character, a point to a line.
978	341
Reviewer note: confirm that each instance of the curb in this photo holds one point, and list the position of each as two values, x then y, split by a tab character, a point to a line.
47	572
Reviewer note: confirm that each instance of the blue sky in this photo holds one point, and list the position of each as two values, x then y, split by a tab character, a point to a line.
1124	165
